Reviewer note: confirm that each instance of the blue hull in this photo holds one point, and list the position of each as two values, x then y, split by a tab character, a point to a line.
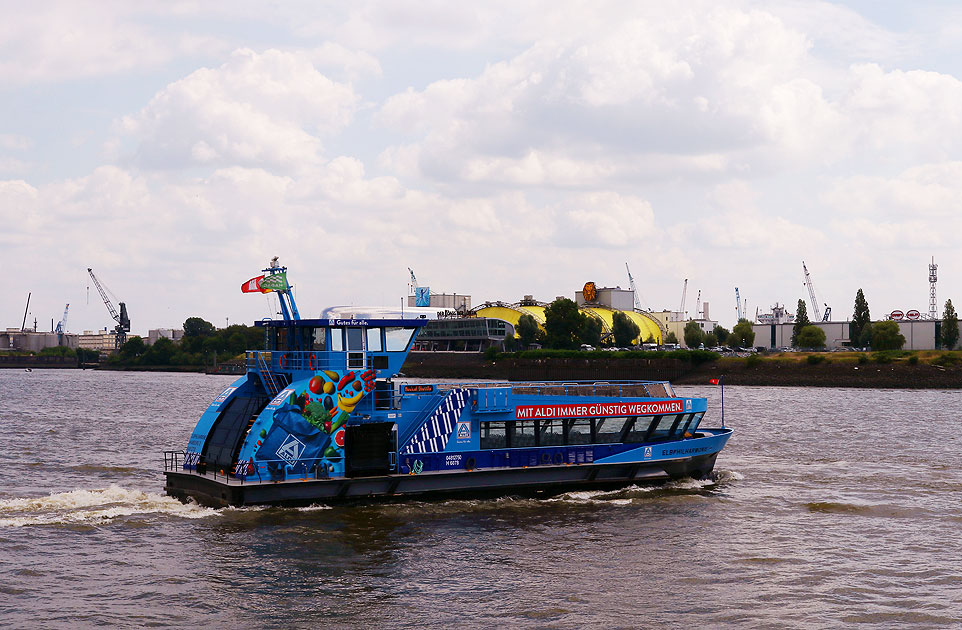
540	480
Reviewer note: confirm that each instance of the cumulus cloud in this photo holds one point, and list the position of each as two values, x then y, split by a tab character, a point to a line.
498	149
70	40
257	109
606	219
730	83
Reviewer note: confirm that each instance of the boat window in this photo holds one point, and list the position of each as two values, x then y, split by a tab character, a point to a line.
301	338
337	339
281	339
608	430
355	347
693	425
319	341
683	425
579	431
397	339
523	434
374	340
636	432
493	435
355	339
676	429
664	426
552	432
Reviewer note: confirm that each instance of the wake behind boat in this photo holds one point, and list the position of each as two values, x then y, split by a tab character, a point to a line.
321	417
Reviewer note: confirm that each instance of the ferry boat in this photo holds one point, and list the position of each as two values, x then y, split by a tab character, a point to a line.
322	416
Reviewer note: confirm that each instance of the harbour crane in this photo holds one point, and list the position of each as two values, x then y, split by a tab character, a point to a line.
684	293
62	325
26	309
811	295
634	289
698	306
414	281
738	306
123	322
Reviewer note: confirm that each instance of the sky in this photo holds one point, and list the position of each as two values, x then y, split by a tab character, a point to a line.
499	149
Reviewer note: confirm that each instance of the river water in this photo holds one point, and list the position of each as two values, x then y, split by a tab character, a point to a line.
830	508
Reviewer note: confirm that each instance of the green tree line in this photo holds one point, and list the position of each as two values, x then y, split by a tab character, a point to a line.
567	328
201	343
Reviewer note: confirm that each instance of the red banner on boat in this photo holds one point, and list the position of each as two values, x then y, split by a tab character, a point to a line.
253	285
598	410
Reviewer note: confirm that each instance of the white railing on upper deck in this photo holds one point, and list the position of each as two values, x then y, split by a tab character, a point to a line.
613	389
285	360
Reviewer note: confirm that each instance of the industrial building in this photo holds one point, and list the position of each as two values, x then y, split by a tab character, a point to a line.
487	324
920	334
16	340
921	331
166	333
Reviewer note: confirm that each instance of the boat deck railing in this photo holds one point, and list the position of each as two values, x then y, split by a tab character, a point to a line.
289	360
251	471
603	389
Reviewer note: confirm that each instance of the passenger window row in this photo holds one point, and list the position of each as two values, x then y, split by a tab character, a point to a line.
573	431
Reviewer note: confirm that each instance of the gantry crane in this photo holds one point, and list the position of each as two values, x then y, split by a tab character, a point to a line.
123	322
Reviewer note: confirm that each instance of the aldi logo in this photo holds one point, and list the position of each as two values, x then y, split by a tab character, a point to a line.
290	450
647	452
688	404
224	395
464	431
281	398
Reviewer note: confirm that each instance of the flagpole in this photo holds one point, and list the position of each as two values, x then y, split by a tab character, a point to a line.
722	380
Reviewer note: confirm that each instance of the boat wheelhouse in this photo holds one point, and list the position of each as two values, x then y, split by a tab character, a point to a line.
321	415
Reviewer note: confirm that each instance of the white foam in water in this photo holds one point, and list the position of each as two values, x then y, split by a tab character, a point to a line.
93	507
618	498
728	475
689	484
314	508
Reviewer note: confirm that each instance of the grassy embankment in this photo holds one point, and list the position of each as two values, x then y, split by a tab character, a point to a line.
890	369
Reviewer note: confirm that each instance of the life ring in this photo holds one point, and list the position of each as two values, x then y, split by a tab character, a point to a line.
282	362
558	457
545	458
312	362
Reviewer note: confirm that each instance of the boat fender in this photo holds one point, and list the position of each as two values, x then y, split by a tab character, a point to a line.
469	464
558	458
282	362
312	362
545	458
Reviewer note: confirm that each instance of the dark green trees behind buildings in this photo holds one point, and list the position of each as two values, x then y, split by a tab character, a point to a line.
623	329
861	322
950	327
801	321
